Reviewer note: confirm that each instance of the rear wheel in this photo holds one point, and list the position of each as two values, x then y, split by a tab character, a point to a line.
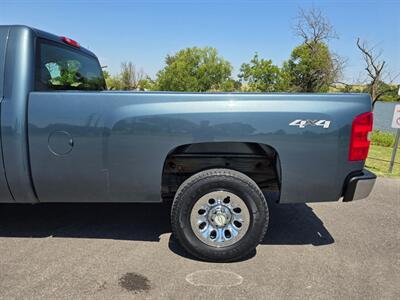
219	215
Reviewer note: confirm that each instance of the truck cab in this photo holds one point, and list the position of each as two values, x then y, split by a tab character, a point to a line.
32	60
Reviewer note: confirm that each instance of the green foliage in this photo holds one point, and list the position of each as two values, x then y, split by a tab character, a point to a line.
195	70
389	92
261	75
114	82
106	74
348	88
128	79
146	84
231	85
310	68
381	138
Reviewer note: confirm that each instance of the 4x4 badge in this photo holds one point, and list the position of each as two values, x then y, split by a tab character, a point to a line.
305	123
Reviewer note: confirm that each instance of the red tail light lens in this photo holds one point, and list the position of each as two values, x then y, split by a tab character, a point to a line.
359	140
70	42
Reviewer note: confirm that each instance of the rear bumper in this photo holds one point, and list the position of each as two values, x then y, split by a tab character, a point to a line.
359	185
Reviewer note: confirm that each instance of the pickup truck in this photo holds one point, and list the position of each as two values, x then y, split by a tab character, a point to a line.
216	156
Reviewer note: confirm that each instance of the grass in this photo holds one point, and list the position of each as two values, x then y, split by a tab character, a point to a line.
379	158
381	138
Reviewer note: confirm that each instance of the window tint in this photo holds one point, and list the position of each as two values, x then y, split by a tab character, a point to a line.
60	67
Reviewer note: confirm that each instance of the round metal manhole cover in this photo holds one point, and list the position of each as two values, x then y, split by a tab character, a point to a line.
214	278
60	143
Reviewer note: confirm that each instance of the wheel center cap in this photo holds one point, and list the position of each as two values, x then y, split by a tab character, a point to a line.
220	220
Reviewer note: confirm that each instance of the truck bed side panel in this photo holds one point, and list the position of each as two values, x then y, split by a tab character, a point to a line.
121	140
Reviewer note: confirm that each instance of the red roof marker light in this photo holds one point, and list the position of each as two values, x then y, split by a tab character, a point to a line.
70	42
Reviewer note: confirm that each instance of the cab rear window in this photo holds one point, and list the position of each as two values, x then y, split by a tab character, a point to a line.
61	67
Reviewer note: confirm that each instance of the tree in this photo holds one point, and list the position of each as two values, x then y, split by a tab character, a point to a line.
127	79
230	85
106	74
313	27
390	92
261	75
194	69
375	71
312	67
130	77
113	83
146	84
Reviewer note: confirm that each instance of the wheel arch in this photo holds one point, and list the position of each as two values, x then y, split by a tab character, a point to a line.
260	162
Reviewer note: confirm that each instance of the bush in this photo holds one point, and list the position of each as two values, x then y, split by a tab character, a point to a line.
381	138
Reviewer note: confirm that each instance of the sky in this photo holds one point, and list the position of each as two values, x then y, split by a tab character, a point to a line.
144	32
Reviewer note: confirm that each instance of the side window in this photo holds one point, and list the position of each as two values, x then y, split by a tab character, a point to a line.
60	68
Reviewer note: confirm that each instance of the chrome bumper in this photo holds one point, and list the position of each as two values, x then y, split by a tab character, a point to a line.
359	186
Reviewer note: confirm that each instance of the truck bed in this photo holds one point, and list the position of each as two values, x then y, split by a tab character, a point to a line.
123	138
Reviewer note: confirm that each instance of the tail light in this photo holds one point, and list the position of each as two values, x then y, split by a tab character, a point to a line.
359	139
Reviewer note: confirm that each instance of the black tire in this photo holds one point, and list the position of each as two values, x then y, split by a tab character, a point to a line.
208	181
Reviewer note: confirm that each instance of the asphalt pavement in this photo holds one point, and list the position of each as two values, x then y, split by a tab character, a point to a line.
126	251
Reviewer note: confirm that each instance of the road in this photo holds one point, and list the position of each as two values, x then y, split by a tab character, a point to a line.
103	251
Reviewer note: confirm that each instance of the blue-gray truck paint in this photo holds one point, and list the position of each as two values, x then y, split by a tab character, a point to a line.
18	82
111	146
4	190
